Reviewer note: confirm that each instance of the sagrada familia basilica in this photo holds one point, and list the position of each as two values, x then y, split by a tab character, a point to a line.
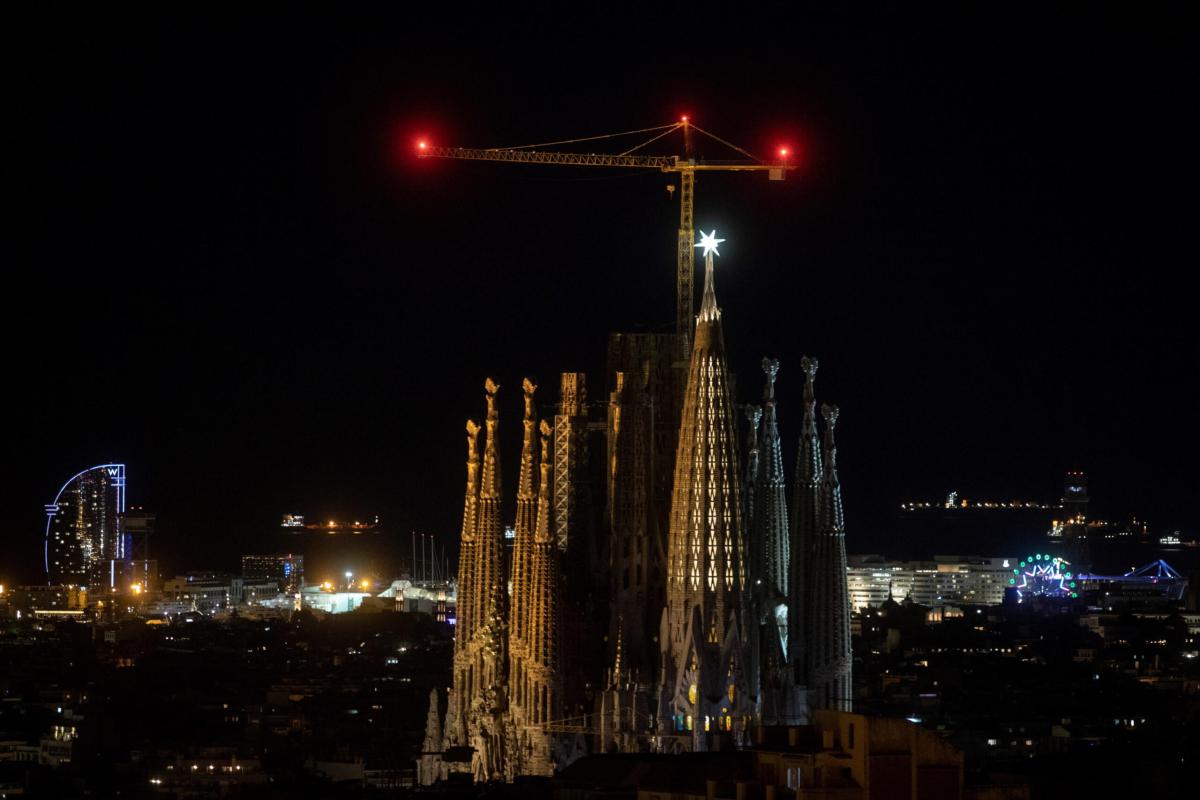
662	592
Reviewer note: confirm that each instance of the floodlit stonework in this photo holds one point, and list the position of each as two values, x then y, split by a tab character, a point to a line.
727	613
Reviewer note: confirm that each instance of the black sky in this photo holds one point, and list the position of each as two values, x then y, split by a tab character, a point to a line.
223	268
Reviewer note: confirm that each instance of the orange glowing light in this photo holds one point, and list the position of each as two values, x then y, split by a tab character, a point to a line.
684	118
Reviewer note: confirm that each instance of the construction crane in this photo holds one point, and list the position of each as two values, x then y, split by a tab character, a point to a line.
687	166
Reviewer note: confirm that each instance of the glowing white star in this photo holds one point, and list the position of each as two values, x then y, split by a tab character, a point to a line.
709	242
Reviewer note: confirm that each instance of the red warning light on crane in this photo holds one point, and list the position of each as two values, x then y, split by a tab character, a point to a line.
784	152
422	145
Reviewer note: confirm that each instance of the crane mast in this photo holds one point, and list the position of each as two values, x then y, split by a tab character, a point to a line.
686	167
685	264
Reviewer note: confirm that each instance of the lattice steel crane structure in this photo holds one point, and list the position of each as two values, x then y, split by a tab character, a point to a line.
686	166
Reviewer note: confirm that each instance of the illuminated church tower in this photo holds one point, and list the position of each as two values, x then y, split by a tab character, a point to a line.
754	417
806	510
522	557
704	686
458	711
769	559
828	623
478	702
507	687
541	685
770	531
819	597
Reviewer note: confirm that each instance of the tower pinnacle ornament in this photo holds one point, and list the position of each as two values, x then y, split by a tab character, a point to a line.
709	242
709	312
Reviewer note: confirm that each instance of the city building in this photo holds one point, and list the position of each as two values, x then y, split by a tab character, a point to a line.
334	602
839	755
985	581
965	579
83	531
207	775
46	601
207	591
439	600
286	570
57	748
1154	586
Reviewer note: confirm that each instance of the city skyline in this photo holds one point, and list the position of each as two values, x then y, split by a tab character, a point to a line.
268	265
988	293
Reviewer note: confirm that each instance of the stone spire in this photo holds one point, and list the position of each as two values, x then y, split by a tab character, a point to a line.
523	550
433	725
829	656
806	503
769	563
489	591
543	617
832	489
542	690
770	532
709	311
703	683
466	559
430	760
464	668
749	479
754	417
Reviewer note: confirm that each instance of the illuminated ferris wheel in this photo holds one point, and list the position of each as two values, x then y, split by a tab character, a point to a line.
1043	575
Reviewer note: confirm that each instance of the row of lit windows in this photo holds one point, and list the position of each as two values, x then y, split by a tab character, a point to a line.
684	722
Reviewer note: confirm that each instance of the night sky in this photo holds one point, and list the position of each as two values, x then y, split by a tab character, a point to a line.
224	268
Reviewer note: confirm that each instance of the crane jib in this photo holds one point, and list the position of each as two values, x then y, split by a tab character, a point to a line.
686	167
664	163
541	157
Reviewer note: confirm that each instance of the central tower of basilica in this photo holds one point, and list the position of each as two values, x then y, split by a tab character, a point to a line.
661	593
